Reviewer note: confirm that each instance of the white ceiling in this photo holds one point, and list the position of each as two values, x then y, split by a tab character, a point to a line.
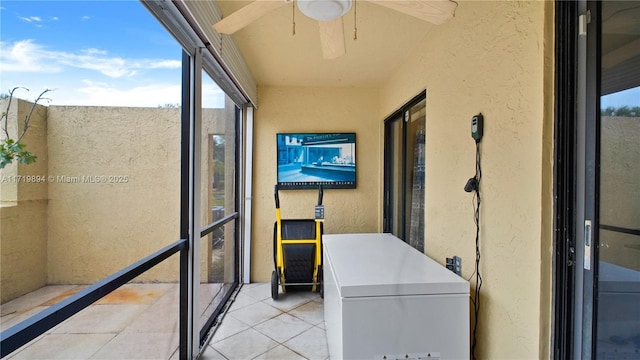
278	58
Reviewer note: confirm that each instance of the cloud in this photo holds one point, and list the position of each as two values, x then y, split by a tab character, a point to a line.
28	56
55	18
25	56
164	64
30	19
84	92
212	96
103	94
85	18
94	51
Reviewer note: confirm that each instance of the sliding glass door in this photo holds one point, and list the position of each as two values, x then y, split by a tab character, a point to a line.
218	202
597	270
617	195
404	172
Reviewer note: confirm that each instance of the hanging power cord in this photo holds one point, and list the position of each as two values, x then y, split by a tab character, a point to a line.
355	20
293	21
476	219
473	185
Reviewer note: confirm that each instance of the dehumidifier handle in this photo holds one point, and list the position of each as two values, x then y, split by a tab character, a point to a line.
320	195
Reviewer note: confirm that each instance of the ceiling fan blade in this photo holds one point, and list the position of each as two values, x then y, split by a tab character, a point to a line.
433	11
246	15
332	38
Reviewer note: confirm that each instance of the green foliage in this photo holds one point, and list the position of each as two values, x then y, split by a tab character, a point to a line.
218	174
218	198
218	161
623	111
13	149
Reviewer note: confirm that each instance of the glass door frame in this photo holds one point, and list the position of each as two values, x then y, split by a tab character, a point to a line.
587	202
573	284
577	178
565	177
194	337
390	161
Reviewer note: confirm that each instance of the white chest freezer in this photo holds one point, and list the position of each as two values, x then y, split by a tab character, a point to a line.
384	299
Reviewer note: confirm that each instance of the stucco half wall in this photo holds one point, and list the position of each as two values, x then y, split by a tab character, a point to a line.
98	227
23	207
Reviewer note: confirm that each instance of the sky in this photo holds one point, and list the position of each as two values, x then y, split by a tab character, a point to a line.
629	97
111	53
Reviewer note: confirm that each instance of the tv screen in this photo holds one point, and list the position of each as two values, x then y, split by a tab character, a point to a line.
307	161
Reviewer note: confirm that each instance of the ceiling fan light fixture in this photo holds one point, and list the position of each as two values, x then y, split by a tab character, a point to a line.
324	10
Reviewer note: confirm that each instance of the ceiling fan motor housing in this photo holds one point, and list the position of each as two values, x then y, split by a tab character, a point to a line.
324	10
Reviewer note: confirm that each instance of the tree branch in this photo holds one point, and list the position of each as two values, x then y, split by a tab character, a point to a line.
27	118
5	114
11	149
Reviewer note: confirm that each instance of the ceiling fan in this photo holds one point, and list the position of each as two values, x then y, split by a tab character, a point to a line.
329	14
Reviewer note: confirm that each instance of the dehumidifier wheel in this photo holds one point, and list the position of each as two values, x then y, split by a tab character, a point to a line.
274	285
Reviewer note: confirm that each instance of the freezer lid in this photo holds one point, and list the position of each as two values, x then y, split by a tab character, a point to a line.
383	265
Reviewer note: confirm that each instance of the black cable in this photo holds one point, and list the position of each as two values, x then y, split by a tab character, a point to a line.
476	219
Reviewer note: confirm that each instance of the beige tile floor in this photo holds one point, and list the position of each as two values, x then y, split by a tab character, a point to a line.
140	321
257	327
137	321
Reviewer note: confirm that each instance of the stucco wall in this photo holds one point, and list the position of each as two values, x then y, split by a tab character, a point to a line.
107	194
494	58
23	208
129	206
97	228
619	184
284	109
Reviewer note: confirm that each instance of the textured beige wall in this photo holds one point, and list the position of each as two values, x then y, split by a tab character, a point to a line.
96	229
110	195
620	184
547	185
23	208
494	58
314	110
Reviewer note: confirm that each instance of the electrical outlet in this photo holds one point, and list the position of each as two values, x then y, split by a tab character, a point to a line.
455	264
320	212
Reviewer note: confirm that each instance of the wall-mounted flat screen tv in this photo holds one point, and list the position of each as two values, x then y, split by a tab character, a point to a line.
307	161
